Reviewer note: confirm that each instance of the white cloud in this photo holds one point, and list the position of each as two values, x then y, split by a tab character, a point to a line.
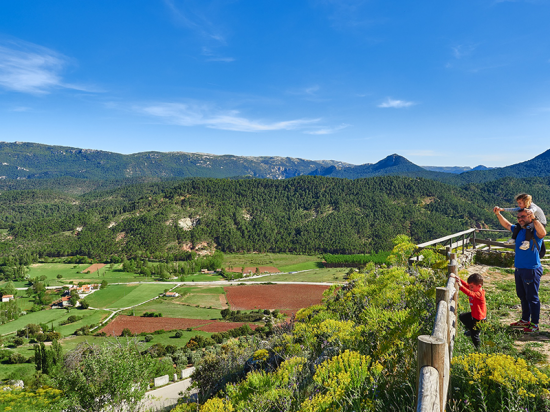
396	104
328	130
193	114
29	68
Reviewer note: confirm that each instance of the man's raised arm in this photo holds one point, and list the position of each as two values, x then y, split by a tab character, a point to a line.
503	221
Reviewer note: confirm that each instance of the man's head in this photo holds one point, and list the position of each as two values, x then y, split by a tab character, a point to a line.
475	282
524	218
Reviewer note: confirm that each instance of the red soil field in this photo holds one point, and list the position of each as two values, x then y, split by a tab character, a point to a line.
138	324
288	298
94	268
252	269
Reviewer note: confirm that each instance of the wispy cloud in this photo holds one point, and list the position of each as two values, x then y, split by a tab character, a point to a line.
30	68
191	18
327	130
395	104
422	153
195	114
214	57
20	109
463	50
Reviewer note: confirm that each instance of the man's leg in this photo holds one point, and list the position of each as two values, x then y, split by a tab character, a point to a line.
531	287
520	292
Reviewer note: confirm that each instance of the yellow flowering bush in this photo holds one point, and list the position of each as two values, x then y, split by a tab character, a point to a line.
347	382
19	400
484	380
263	390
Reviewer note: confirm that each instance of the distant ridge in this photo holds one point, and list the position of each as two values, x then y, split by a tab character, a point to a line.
455	169
32	161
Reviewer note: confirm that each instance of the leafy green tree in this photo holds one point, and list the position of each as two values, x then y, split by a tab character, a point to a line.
9	289
112	376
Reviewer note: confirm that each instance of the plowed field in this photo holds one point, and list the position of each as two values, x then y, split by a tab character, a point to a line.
289	298
138	324
94	268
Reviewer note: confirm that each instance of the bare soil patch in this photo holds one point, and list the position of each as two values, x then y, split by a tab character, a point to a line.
94	268
288	298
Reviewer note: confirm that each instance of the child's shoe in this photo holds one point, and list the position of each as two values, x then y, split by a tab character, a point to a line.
510	242
467	333
532	328
520	324
524	245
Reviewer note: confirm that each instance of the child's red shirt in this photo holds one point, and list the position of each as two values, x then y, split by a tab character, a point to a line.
477	301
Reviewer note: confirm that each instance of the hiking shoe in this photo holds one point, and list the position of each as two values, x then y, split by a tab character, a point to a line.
524	245
510	242
532	328
520	324
467	333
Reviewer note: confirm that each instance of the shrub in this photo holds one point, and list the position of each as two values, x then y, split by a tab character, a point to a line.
126	332
148	338
16	358
18	341
179	334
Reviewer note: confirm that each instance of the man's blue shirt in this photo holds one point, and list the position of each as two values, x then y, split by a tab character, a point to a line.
527	259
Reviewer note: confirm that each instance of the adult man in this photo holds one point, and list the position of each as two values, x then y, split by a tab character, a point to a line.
528	269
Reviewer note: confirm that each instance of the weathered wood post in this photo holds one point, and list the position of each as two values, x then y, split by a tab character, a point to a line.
433	352
474	240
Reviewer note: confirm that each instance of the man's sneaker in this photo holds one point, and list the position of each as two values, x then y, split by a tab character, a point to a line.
520	324
524	245
510	242
532	328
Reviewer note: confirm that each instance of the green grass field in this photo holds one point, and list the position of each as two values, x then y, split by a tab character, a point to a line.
174	310
278	260
43	316
330	275
201	277
122	296
56	316
301	266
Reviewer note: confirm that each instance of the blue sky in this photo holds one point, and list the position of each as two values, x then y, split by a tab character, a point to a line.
441	83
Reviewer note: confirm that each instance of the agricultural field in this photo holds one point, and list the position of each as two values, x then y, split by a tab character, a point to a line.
54	317
123	296
281	261
334	275
287	298
173	310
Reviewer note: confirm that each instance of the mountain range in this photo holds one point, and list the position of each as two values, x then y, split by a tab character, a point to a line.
31	161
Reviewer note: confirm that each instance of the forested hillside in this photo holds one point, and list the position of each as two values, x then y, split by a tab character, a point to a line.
305	214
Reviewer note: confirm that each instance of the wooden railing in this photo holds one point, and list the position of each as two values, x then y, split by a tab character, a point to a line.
435	351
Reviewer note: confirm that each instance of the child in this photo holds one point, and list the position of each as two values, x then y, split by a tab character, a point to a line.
474	289
524	202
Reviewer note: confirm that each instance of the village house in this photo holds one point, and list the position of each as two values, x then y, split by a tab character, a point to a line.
7	298
171	294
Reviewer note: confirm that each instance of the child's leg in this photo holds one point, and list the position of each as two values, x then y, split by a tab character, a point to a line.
529	233
516	231
475	332
466	320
